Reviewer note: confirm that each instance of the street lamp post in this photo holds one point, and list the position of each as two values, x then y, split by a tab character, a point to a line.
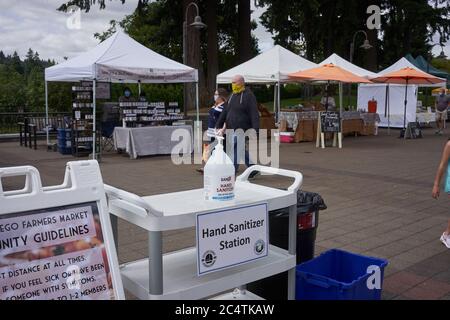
198	24
366	46
429	58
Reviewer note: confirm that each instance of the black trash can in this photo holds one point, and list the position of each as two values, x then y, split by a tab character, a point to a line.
308	206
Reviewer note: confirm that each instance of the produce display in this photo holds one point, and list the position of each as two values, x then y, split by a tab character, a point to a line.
142	113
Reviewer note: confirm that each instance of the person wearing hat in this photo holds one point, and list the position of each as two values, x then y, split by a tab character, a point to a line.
442	104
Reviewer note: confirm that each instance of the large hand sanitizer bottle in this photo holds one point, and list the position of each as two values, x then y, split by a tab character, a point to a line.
219	175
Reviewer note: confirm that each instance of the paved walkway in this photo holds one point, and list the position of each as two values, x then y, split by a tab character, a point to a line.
378	192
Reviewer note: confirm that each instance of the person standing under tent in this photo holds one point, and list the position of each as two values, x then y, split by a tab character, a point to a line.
328	102
142	97
442	104
127	96
444	167
242	113
220	101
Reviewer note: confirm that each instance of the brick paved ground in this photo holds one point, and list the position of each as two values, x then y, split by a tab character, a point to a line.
377	190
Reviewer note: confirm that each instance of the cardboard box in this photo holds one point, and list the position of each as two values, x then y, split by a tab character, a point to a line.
283	126
306	131
368	130
352	126
267	123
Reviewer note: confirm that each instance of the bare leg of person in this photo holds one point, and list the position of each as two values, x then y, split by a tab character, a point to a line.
447	232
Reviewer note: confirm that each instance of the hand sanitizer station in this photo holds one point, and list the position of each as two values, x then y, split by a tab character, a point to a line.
232	242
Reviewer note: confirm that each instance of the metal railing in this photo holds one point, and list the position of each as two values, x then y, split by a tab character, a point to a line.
9	120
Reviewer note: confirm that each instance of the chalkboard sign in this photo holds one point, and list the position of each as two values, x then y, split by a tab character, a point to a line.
330	122
413	131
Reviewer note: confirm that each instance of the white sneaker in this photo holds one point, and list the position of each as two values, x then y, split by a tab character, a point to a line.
445	239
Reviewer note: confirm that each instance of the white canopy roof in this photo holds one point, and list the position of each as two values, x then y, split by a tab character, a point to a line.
121	59
344	64
400	64
403	63
271	66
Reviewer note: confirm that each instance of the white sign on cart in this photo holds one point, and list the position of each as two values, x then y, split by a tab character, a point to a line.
232	237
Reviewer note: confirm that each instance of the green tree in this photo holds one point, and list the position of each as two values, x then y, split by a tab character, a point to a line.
35	95
409	25
11	89
318	28
87	4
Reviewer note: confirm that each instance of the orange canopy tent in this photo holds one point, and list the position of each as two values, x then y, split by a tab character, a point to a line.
408	76
328	72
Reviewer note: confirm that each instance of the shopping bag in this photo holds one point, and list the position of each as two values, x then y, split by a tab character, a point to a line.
447	180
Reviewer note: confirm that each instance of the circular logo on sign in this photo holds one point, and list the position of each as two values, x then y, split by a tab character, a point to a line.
260	245
209	258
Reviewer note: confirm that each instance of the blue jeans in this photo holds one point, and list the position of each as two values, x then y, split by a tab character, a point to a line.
237	157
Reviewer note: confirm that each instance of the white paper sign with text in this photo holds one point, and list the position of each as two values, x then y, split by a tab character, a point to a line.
231	237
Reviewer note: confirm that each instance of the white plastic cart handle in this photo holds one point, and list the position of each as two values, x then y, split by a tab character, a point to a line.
274	171
33	182
133	199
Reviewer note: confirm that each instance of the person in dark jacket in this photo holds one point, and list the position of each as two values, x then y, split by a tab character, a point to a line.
241	112
220	101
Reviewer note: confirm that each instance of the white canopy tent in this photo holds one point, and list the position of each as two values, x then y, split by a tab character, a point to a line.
120	59
337	60
403	63
346	65
390	97
270	67
390	101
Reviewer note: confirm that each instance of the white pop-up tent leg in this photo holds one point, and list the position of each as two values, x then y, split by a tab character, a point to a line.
197	106
278	100
94	119
198	133
275	99
388	109
46	114
341	99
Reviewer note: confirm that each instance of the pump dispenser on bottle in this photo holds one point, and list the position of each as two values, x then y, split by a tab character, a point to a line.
219	175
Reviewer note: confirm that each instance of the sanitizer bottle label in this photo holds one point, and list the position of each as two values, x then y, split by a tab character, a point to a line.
219	188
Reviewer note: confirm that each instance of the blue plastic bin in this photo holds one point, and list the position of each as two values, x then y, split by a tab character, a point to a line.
64	143
64	150
338	275
64	133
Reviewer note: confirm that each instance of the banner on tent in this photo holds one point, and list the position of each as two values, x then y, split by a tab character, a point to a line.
145	75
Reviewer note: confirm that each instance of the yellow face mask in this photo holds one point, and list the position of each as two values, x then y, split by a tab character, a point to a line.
237	88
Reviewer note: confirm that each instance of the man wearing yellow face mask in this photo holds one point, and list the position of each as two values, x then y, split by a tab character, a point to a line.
240	113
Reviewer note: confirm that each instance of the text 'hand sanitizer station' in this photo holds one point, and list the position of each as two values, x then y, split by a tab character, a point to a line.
231	221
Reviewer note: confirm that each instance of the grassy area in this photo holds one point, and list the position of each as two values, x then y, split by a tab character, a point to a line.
353	101
296	101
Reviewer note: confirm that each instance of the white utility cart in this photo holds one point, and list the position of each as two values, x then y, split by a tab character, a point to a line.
174	275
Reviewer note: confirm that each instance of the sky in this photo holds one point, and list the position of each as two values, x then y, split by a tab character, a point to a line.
38	25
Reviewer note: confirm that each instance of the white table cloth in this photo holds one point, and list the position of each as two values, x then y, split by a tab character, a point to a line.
426	117
148	141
